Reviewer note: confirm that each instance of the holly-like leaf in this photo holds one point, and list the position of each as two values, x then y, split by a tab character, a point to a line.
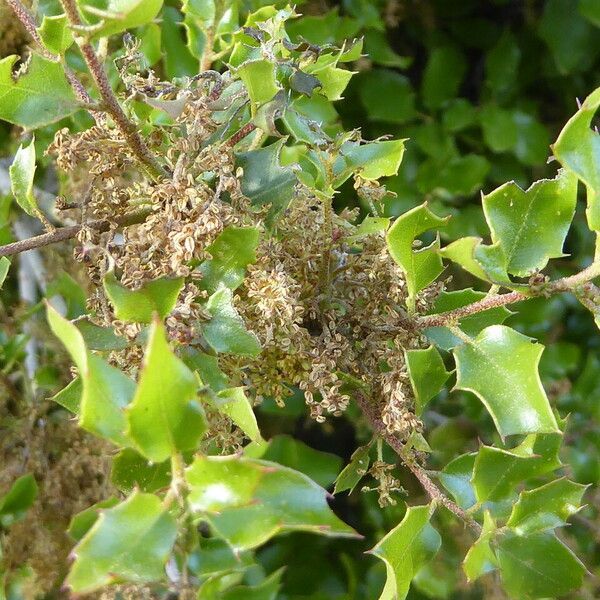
427	374
106	391
546	507
226	332
354	471
259	77
265	181
22	171
321	467
234	403
118	15
56	33
500	366
83	521
471	325
129	542
155	297
248	501
70	396
17	501
578	149
130	470
405	549
231	252
372	160
480	559
531	226
496	471
39	96
461	252
421	266
538	566
457	477
164	417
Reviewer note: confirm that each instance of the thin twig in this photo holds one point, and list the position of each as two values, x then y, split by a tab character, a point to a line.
565	284
377	424
240	134
66	233
28	22
111	104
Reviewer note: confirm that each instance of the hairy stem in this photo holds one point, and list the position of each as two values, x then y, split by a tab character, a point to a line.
139	148
66	233
372	415
565	284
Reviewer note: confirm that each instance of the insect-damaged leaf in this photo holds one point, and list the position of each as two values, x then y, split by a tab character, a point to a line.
500	366
248	501
38	97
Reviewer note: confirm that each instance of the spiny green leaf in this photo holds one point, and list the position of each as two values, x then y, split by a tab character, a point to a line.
531	226
260	80
225	332
38	97
496	471
265	181
427	375
471	325
546	507
130	470
231	252
129	542
19	498
106	391
500	366
420	266
578	149
234	403
405	549
354	471
155	297
56	34
480	559
22	171
372	160
538	566
164	417
70	396
118	15
461	252
248	501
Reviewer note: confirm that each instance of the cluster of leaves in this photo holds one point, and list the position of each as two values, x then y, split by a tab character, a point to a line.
185	519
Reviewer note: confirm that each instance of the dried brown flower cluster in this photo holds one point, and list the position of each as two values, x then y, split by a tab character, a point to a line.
324	302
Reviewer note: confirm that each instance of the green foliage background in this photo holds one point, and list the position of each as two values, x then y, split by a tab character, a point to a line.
480	89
